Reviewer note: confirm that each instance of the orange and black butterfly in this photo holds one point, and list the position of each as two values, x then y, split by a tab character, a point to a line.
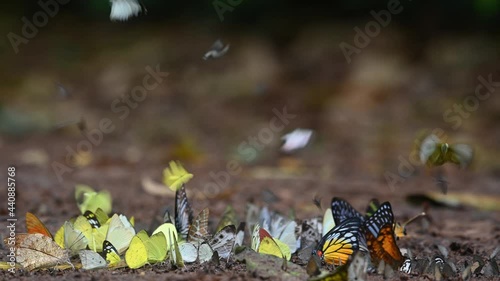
34	225
342	241
380	237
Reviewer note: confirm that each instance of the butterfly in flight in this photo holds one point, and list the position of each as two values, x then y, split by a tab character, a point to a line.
337	246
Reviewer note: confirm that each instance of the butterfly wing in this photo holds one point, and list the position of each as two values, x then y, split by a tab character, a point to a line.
342	210
341	242
380	218
198	230
74	239
120	232
428	148
384	247
91	260
460	154
34	225
380	237
223	241
183	212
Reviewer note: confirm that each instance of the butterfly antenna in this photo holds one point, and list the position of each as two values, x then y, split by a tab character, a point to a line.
423	214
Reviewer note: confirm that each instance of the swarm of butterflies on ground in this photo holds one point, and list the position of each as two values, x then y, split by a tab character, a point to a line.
355	244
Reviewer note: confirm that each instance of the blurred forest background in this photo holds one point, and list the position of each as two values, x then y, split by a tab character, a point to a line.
365	114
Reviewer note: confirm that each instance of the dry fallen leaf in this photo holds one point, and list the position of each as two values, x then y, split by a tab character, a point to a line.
38	251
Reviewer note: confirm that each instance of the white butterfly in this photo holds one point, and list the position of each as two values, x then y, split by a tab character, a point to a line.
328	222
91	260
120	232
216	51
123	9
297	139
74	239
222	243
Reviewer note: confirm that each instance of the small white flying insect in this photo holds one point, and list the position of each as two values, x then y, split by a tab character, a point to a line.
123	9
296	139
217	50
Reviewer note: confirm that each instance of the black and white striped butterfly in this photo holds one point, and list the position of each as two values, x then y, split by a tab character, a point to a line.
183	213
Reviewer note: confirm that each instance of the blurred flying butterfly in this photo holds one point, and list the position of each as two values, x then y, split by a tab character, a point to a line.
217	50
295	140
381	239
433	152
341	242
123	9
183	213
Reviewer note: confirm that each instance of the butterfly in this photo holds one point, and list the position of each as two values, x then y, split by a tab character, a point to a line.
228	218
198	230
342	210
380	237
123	9
223	241
120	232
68	237
280	228
183	213
190	252
169	232
94	230
328	221
264	243
91	260
295	140
217	50
34	225
38	251
399	229
110	253
433	152
88	199
176	176
341	242
144	249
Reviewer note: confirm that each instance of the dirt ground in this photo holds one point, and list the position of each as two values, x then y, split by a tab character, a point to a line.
365	116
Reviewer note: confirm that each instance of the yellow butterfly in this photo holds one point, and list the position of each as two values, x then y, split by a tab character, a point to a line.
110	252
95	235
88	199
175	176
264	243
144	249
169	232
